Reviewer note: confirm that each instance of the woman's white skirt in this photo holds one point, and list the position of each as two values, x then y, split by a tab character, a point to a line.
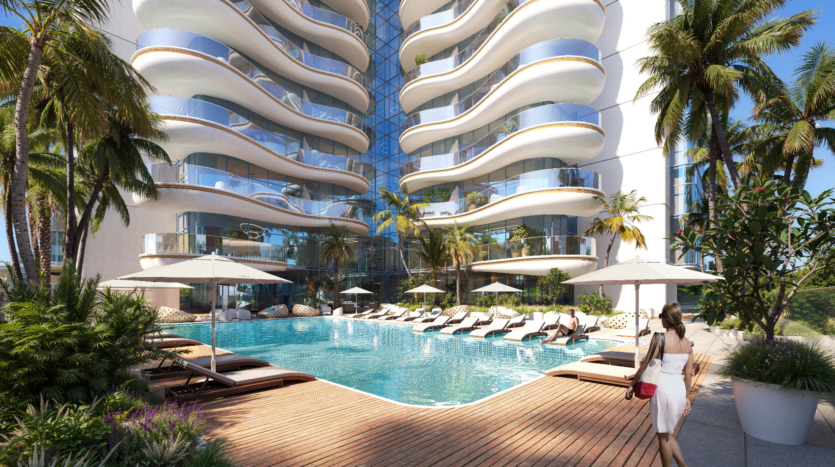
667	405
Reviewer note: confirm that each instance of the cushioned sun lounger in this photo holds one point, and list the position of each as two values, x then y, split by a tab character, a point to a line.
410	316
592	323
377	314
216	385
611	374
396	315
629	331
530	329
460	316
626	359
430	317
516	321
498	326
437	324
225	362
163	335
467	325
168	342
362	315
485	318
564	340
551	322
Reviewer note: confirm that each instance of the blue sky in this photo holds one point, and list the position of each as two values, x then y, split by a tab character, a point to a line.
819	180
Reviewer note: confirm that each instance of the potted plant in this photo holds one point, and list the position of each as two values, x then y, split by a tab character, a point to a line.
520	237
474	199
421	59
776	387
443	194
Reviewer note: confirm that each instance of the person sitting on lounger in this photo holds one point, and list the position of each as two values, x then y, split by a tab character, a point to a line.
564	330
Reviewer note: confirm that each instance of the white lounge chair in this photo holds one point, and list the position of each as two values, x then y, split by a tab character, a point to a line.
550	321
468	324
629	331
396	315
530	329
576	336
376	314
431	316
437	324
537	316
409	316
498	326
362	315
592	323
483	318
243	314
517	321
459	317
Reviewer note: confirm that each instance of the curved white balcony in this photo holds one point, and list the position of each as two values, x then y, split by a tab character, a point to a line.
569	132
185	187
529	78
331	30
169	248
238	25
357	10
181	63
434	33
412	10
537	256
530	23
569	192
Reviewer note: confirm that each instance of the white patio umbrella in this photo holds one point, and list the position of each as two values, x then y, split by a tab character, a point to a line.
214	270
497	287
639	271
425	289
142	285
355	291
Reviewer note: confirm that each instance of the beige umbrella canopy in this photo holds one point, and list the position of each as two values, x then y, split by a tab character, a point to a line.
637	271
214	270
356	290
496	287
425	289
142	285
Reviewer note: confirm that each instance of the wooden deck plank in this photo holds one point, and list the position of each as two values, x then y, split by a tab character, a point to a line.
549	421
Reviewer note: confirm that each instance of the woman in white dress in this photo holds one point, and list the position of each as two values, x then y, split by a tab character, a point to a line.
670	401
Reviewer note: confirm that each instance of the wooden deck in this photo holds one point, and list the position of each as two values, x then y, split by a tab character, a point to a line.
549	421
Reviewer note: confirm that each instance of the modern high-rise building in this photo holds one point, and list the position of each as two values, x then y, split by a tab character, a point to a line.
285	116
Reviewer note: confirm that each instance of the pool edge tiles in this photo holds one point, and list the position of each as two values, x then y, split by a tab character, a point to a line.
389	361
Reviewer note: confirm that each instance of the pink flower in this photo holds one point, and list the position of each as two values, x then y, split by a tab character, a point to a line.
680	231
760	189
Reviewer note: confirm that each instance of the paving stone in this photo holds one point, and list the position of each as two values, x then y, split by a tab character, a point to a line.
765	454
704	445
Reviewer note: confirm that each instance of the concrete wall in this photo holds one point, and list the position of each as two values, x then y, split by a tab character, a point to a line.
631	158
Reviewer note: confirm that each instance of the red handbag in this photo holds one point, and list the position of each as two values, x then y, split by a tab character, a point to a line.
646	386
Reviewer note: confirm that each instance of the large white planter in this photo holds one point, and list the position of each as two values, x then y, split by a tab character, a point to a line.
768	413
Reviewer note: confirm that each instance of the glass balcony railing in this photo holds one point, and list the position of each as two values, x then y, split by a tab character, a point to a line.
536	246
195	244
298	54
437	20
450	63
289	148
196	42
328	17
542	115
206	176
484	194
532	54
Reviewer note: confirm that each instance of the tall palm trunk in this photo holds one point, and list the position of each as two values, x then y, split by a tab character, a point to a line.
21	165
606	264
711	188
82	244
400	241
804	164
33	232
69	229
787	173
457	282
727	155
84	221
10	237
45	237
335	284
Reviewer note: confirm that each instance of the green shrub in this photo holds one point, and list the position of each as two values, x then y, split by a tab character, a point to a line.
594	304
421	59
792	365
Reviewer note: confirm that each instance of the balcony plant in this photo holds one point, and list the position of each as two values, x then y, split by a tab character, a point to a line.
474	200
520	238
421	59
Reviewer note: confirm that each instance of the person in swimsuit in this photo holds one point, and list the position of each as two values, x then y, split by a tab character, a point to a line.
564	330
670	401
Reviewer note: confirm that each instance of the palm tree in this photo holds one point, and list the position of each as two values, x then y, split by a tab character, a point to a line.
790	114
336	248
434	253
623	210
400	214
461	247
700	59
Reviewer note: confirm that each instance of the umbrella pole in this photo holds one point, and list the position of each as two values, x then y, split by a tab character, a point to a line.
637	324
212	294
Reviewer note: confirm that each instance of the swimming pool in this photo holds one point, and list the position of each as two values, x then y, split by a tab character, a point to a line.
391	361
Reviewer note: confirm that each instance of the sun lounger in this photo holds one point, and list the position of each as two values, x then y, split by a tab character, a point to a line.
460	316
467	325
516	321
592	323
551	322
169	342
163	335
629	331
216	385
396	315
362	315
626	359
430	317
565	340
410	316
225	362
611	374
437	324
498	326
376	314
530	329
483	318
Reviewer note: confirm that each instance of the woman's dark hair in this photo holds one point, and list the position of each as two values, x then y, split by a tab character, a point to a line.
672	314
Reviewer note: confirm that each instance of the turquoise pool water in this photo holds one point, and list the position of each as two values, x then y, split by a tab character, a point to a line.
391	361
